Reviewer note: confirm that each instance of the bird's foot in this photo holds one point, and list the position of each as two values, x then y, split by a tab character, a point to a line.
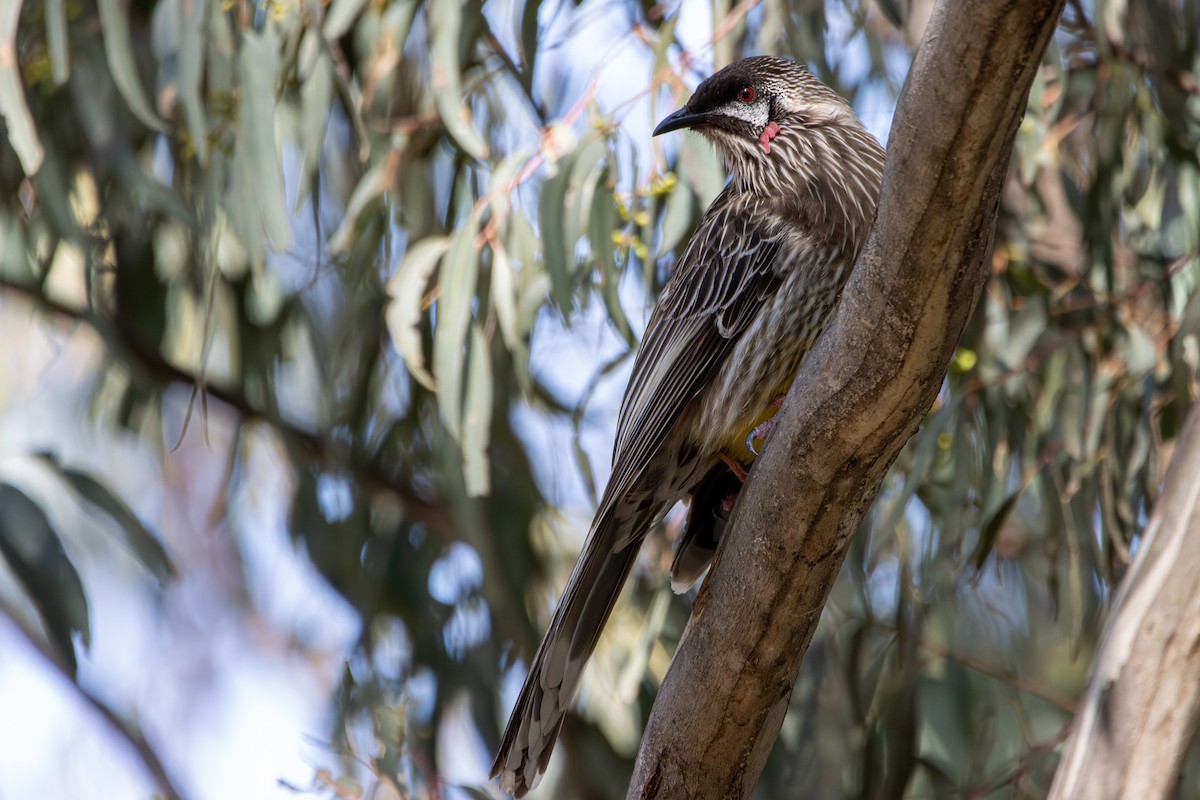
763	430
735	467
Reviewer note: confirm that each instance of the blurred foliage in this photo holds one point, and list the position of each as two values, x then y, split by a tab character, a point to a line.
348	222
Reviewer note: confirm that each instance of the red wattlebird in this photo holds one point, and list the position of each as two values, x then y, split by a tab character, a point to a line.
748	297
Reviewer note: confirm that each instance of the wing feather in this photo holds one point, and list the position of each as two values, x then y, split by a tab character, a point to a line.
727	270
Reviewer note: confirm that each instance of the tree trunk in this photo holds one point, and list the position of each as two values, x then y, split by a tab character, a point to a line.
860	395
1139	711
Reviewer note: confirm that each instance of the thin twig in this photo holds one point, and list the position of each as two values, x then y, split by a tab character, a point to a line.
119	726
307	446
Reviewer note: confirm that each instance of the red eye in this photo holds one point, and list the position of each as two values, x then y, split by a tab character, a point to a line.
746	95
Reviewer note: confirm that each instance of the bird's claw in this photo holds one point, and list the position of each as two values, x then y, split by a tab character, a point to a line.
760	432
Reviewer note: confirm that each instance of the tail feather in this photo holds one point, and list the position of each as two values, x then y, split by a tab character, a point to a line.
558	664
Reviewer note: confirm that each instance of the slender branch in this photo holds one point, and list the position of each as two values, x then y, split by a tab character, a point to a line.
127	733
307	446
860	395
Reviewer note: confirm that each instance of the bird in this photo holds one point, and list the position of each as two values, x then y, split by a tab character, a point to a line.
749	294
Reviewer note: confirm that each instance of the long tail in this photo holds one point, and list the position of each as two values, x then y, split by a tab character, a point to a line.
558	665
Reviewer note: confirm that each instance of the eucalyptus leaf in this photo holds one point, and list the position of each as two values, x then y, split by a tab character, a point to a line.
477	416
316	94
504	299
557	257
445	28
56	40
32	549
369	189
342	14
142	543
456	294
193	23
114	25
259	172
407	290
529	41
679	218
602	222
21	132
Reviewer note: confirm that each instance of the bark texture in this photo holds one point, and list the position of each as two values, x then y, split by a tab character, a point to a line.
1140	708
859	396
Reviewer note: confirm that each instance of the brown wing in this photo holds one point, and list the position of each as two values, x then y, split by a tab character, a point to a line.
726	272
724	275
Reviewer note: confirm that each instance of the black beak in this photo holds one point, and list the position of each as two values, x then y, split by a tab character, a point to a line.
683	118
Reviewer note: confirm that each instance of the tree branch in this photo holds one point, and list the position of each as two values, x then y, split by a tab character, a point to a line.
306	446
860	395
1141	705
123	730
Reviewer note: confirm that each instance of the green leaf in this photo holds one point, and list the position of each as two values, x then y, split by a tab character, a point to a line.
257	160
701	168
56	41
991	528
445	27
477	416
33	551
987	536
678	219
601	223
342	14
586	174
114	24
22	134
406	290
456	293
316	95
370	187
396	23
144	545
529	39
566	200
191	71
504	299
500	184
555	255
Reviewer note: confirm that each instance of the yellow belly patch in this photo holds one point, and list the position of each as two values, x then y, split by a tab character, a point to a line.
735	447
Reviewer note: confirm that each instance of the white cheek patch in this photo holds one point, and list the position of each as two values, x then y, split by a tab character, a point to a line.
757	114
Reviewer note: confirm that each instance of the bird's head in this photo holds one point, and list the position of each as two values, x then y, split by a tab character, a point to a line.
764	112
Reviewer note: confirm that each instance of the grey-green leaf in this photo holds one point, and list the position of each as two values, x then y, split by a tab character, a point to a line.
144	545
342	14
504	298
258	161
21	132
477	416
445	27
456	293
114	24
31	547
191	63
370	187
555	254
406	289
56	41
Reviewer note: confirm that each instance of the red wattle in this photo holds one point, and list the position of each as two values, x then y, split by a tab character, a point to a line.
767	135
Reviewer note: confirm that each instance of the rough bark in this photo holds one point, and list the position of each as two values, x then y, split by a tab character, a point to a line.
1141	705
859	396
